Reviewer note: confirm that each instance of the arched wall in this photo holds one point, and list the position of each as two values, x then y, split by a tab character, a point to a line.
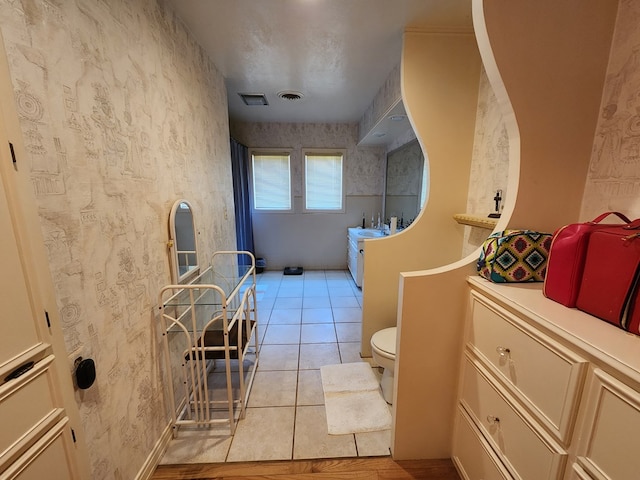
550	58
441	71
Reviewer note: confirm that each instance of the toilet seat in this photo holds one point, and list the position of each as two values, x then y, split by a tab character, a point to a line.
384	341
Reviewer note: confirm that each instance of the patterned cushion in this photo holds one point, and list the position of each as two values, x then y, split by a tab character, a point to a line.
515	256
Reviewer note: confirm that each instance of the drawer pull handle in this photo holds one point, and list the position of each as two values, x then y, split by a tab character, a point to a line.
493	420
503	352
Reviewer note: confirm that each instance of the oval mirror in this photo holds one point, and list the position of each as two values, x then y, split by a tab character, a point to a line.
182	242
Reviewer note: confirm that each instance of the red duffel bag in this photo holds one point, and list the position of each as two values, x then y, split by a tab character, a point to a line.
609	289
565	263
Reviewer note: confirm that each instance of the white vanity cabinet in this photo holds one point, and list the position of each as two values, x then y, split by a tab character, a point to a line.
355	255
545	392
355	250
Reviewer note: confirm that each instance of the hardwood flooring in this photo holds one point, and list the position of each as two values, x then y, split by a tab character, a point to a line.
372	468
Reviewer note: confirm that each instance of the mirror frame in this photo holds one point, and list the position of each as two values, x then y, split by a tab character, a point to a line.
194	270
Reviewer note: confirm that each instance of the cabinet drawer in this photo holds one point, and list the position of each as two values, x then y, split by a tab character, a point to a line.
48	458
525	449
612	430
27	407
472	455
545	376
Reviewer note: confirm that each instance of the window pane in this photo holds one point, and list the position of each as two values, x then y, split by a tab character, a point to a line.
323	182
271	182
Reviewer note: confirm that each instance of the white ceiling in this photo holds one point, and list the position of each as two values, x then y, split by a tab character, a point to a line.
337	53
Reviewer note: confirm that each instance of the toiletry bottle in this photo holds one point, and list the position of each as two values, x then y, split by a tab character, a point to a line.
372	224
363	224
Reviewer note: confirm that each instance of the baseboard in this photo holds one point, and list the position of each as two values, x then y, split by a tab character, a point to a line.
155	455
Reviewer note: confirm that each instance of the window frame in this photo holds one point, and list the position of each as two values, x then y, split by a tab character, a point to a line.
327	152
271	151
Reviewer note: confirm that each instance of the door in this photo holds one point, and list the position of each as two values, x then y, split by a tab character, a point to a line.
40	433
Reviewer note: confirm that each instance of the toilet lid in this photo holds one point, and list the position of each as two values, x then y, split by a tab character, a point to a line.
385	340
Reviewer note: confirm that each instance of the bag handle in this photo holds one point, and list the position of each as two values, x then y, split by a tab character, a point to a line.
621	216
635	225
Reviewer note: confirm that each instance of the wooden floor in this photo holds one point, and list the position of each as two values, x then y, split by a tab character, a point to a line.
372	468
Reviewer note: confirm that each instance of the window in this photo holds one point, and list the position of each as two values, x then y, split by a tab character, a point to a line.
323	181
271	181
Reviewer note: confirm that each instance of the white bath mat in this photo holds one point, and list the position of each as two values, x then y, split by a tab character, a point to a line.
352	399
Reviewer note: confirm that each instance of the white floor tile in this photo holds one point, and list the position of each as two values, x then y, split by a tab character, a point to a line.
310	388
315	291
373	444
315	355
282	334
317	315
291	316
318	333
316	302
313	441
198	446
348	332
264	434
350	352
347	315
263	393
278	357
344	302
288	302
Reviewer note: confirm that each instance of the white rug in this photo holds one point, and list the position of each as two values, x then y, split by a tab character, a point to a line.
353	400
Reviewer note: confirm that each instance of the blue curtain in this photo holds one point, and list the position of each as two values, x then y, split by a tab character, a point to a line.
240	172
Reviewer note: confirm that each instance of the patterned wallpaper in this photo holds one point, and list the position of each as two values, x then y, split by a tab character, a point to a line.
364	165
489	164
613	181
388	95
122	114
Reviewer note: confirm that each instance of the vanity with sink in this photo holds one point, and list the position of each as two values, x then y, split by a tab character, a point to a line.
355	250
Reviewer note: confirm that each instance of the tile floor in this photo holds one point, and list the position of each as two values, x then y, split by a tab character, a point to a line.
305	321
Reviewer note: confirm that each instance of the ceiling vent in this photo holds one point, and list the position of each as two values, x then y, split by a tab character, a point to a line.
290	95
253	99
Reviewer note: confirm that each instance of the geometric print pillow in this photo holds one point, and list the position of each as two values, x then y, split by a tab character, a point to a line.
515	256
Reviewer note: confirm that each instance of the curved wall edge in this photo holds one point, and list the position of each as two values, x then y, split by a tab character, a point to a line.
440	78
555	90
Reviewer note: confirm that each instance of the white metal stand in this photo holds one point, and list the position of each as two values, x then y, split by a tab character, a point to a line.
214	317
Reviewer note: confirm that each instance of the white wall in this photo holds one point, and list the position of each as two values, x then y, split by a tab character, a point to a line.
314	240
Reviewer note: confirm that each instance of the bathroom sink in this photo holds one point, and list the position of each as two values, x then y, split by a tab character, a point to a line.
370	233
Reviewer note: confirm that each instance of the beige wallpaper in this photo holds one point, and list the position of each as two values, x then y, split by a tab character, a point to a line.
489	164
387	96
613	182
122	114
364	165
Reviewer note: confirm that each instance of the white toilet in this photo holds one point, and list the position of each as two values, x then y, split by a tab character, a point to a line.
383	348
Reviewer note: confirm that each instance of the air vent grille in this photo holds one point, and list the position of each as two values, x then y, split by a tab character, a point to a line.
290	95
253	99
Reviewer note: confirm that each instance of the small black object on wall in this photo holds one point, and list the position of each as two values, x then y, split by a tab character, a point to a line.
85	372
